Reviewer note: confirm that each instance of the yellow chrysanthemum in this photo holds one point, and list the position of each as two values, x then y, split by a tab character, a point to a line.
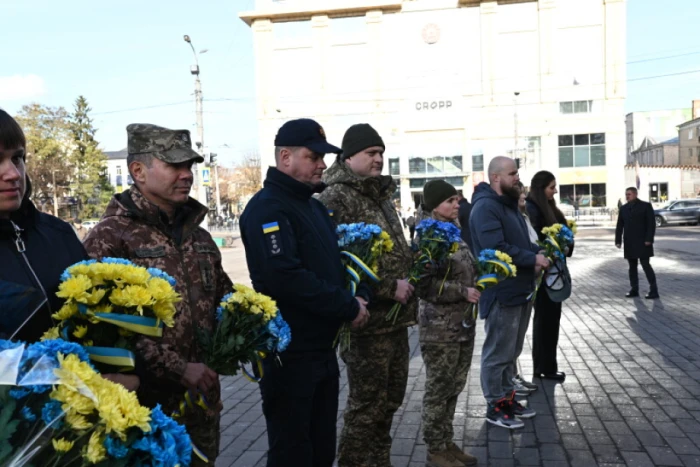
120	410
77	421
161	290
62	445
247	300
73	400
102	308
95	451
92	298
504	257
572	225
52	333
454	247
165	311
80	331
67	310
88	343
135	275
132	296
76	288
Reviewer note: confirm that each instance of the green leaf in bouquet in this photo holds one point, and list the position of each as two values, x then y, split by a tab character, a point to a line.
8	426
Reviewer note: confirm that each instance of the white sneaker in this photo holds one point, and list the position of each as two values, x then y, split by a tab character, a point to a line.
521	390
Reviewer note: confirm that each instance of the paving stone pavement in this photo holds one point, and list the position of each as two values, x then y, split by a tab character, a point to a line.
631	397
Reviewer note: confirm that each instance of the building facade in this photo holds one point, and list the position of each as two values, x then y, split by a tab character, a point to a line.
662	183
450	84
657	125
118	171
651	152
689	142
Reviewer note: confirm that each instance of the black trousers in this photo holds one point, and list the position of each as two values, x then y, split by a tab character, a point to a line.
300	404
648	271
545	333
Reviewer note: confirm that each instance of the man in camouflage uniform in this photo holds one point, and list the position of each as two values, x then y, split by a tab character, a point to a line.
377	360
156	224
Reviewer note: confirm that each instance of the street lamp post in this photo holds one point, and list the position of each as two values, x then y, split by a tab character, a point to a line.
194	69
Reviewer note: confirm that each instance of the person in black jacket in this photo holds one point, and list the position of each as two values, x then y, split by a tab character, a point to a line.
293	256
465	210
35	248
543	212
636	222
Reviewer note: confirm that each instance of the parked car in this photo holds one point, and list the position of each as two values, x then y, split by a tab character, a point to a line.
90	224
684	211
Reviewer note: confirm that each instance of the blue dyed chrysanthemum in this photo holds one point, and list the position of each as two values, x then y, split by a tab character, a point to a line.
155	272
123	261
51	411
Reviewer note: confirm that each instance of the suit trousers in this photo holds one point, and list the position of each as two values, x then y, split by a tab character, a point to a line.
300	404
648	271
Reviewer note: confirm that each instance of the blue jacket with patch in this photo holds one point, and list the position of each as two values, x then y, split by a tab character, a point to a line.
496	224
293	256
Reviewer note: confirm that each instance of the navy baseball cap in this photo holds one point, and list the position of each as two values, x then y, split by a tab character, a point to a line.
307	133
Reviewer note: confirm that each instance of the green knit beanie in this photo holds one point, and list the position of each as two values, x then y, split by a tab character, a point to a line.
435	192
358	138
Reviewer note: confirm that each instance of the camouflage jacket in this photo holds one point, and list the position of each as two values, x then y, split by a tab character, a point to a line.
440	315
354	199
135	229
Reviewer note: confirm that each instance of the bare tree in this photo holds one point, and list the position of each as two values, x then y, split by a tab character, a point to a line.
239	183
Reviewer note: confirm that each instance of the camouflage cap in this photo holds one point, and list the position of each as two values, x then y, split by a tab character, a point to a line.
172	146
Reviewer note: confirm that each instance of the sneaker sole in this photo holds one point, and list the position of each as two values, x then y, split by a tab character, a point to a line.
526	416
523	393
503	425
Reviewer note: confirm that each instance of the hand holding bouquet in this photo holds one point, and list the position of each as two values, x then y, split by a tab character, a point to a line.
493	266
57	410
109	302
249	326
362	245
436	241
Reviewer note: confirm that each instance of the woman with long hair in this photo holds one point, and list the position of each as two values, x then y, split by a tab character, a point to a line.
543	212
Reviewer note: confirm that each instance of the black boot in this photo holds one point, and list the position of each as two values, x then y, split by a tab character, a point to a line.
632	293
652	294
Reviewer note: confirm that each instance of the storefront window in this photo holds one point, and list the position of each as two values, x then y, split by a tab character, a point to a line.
394	166
584	150
583	195
658	192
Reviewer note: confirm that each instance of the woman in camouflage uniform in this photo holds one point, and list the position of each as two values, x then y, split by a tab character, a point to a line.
446	338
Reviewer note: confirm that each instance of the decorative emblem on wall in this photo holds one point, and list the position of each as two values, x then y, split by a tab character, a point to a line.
431	33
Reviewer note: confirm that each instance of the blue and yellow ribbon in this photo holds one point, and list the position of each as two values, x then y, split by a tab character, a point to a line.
366	269
503	265
199	454
486	280
250	377
139	324
112	356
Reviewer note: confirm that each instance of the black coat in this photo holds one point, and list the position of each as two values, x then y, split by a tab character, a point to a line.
635	224
465	210
293	256
28	278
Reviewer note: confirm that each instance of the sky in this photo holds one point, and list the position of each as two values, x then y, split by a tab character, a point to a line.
129	59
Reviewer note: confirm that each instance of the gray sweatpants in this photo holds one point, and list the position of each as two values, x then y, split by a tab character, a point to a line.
505	335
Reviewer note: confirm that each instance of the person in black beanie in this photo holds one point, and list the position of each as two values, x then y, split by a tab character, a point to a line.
378	356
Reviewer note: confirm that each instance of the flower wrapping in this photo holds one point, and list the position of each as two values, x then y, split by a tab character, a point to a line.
56	409
435	242
108	302
558	239
493	266
362	246
249	327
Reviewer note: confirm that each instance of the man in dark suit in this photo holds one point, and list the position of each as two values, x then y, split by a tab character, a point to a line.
636	221
465	209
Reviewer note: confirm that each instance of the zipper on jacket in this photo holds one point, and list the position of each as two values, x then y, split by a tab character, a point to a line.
21	248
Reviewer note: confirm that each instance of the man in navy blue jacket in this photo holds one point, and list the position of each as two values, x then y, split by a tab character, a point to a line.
496	224
293	256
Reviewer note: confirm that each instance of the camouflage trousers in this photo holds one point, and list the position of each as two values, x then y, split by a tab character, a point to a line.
377	367
446	366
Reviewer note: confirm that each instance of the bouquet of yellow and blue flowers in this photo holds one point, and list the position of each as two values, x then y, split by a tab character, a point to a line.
362	245
493	266
55	409
249	327
557	242
558	238
108	302
435	242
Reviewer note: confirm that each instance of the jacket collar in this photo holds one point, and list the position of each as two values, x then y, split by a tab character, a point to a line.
380	188
25	217
293	187
132	203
